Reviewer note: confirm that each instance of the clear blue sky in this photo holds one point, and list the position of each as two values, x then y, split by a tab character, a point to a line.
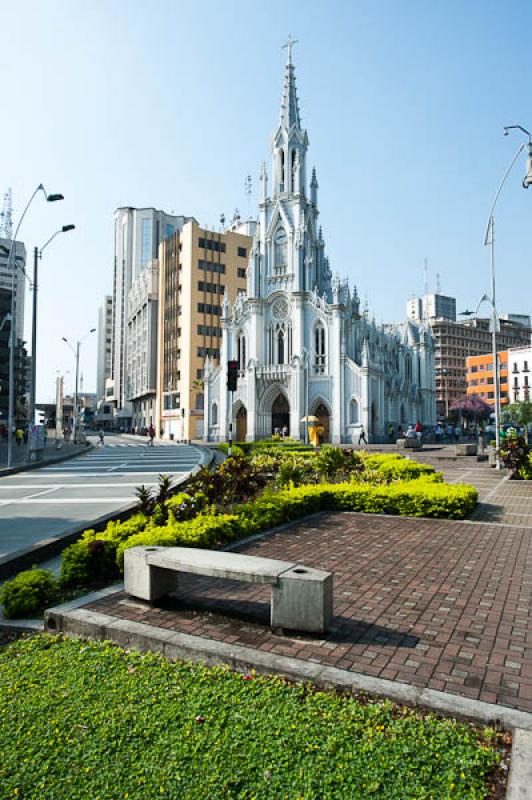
171	104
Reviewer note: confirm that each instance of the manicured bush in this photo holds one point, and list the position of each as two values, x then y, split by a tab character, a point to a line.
83	720
28	593
237	450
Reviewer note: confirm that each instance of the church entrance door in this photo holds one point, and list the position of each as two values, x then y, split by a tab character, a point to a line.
280	414
241	424
323	416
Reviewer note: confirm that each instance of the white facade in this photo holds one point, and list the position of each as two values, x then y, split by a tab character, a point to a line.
519	374
105	340
302	346
138	233
6	279
142	346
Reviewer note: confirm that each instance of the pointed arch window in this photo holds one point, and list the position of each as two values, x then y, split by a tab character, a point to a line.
408	368
353	412
319	349
280	346
214	413
241	351
293	168
281	170
280	250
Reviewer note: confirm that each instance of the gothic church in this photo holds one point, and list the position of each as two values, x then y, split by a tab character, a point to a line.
303	347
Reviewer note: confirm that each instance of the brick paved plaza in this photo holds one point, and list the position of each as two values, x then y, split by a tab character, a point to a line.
437	604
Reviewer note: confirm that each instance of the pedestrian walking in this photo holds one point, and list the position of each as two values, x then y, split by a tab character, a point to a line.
362	435
151	434
101	437
19	436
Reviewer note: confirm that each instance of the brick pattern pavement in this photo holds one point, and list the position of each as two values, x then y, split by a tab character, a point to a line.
438	604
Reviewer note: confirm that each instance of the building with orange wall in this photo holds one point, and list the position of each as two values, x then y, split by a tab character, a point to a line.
479	377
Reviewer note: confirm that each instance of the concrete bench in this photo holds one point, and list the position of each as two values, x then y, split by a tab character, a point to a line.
465	449
410	442
302	597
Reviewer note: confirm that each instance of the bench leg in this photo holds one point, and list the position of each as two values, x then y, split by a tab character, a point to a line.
143	581
303	600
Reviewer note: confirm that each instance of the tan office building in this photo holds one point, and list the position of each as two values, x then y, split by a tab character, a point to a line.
196	268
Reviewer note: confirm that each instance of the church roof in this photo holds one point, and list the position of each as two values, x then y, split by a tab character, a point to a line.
289	113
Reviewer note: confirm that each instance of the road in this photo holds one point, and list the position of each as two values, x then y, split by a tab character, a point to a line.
50	501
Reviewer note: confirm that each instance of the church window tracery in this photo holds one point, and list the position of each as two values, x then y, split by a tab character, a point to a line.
319	349
241	351
280	250
353	412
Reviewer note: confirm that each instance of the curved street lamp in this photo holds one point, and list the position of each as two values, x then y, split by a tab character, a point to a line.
37	254
11	262
75	350
489	239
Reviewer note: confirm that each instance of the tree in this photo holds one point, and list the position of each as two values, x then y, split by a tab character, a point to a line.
521	414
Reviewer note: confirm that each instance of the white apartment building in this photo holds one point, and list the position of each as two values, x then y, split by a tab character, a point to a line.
142	346
138	233
105	341
6	278
519	374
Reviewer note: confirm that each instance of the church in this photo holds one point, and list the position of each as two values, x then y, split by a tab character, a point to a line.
303	347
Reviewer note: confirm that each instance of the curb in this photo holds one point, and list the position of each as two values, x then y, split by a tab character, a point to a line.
26	557
520	778
76	621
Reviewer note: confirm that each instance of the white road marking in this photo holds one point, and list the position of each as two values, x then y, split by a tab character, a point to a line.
78	485
118	474
89	500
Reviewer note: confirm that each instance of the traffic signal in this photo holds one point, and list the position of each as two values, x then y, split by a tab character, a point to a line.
232	375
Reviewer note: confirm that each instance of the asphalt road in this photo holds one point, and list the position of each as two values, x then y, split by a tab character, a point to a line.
52	500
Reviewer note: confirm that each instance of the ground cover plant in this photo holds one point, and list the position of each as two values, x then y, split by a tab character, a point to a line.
90	720
243	496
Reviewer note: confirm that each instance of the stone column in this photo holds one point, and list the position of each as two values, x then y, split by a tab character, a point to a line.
335	369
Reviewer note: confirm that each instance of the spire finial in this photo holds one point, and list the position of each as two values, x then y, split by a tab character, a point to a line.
289	44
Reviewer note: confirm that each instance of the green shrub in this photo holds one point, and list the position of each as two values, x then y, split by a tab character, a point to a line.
88	561
28	593
237	450
205	530
330	461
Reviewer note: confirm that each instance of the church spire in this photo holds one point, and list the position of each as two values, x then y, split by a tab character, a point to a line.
289	114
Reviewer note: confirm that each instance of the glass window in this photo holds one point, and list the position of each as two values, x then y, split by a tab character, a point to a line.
242	252
145	245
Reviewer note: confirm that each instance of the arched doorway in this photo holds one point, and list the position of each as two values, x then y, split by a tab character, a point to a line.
280	414
241	424
322	413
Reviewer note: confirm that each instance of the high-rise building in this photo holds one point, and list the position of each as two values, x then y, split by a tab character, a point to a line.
197	269
18	263
105	341
431	306
142	320
138	234
455	341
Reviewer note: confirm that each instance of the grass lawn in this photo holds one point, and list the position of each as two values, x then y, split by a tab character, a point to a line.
93	721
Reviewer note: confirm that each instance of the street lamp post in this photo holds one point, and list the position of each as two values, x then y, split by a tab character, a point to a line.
12	263
37	254
75	350
489	239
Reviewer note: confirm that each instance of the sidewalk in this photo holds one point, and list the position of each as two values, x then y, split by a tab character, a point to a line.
50	455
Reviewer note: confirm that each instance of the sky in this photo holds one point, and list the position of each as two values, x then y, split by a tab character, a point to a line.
171	104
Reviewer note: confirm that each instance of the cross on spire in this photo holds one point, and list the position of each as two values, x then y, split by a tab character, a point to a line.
289	44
